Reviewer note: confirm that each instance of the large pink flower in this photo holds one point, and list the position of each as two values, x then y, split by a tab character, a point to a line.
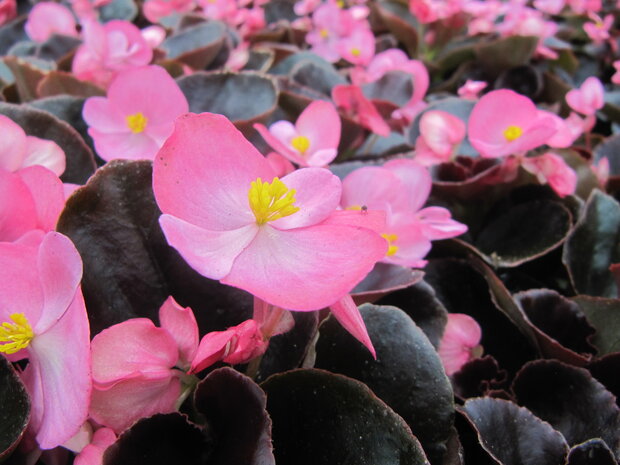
312	141
233	220
505	123
136	118
44	320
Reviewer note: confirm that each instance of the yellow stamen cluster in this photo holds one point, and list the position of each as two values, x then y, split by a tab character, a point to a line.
512	132
270	201
301	144
391	238
356	52
15	336
324	33
136	122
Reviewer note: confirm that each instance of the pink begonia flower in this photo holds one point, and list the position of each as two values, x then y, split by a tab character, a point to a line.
92	454
588	98
471	89
552	7
135	119
20	151
355	105
8	11
108	49
153	35
44	320
155	10
440	136
585	6
305	7
139	369
396	60
313	139
358	47
401	187
460	337
567	131
231	219
495	132
48	18
598	29
551	169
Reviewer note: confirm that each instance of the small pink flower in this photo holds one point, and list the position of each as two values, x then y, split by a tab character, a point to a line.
137	116
551	169
233	220
461	335
44	320
48	18
358	47
312	141
352	101
400	188
496	132
598	29
108	49
440	135
154	10
552	7
471	89
588	98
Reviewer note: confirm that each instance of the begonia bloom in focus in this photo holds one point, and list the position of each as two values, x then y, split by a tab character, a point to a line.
48	18
440	135
588	98
503	123
41	308
233	220
137	116
313	139
461	335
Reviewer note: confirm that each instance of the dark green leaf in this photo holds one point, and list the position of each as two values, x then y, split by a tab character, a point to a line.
14	408
604	315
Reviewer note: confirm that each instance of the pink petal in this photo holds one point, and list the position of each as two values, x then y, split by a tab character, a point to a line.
194	182
249	343
18	213
320	123
441	131
92	454
181	324
437	223
347	313
462	333
317	196
412	243
45	153
131	399
352	100
48	193
214	346
552	169
369	219
132	349
211	253
60	407
127	145
415	179
100	113
356	191
48	18
12	144
307	268
322	157
588	98
60	272
278	137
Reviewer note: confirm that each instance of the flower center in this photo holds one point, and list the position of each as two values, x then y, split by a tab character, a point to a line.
301	144
136	122
356	52
15	336
390	238
324	33
270	201
512	132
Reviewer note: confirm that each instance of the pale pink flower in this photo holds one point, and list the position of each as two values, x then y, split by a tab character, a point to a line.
588	98
44	320
155	10
471	89
223	10
8	11
48	18
313	139
460	337
598	29
440	136
108	49
551	169
232	220
400	188
495	132
135	119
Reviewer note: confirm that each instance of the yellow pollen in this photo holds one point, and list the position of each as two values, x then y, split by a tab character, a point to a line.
356	52
391	238
512	132
15	336
270	201
354	207
301	144
340	3
324	33
136	122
